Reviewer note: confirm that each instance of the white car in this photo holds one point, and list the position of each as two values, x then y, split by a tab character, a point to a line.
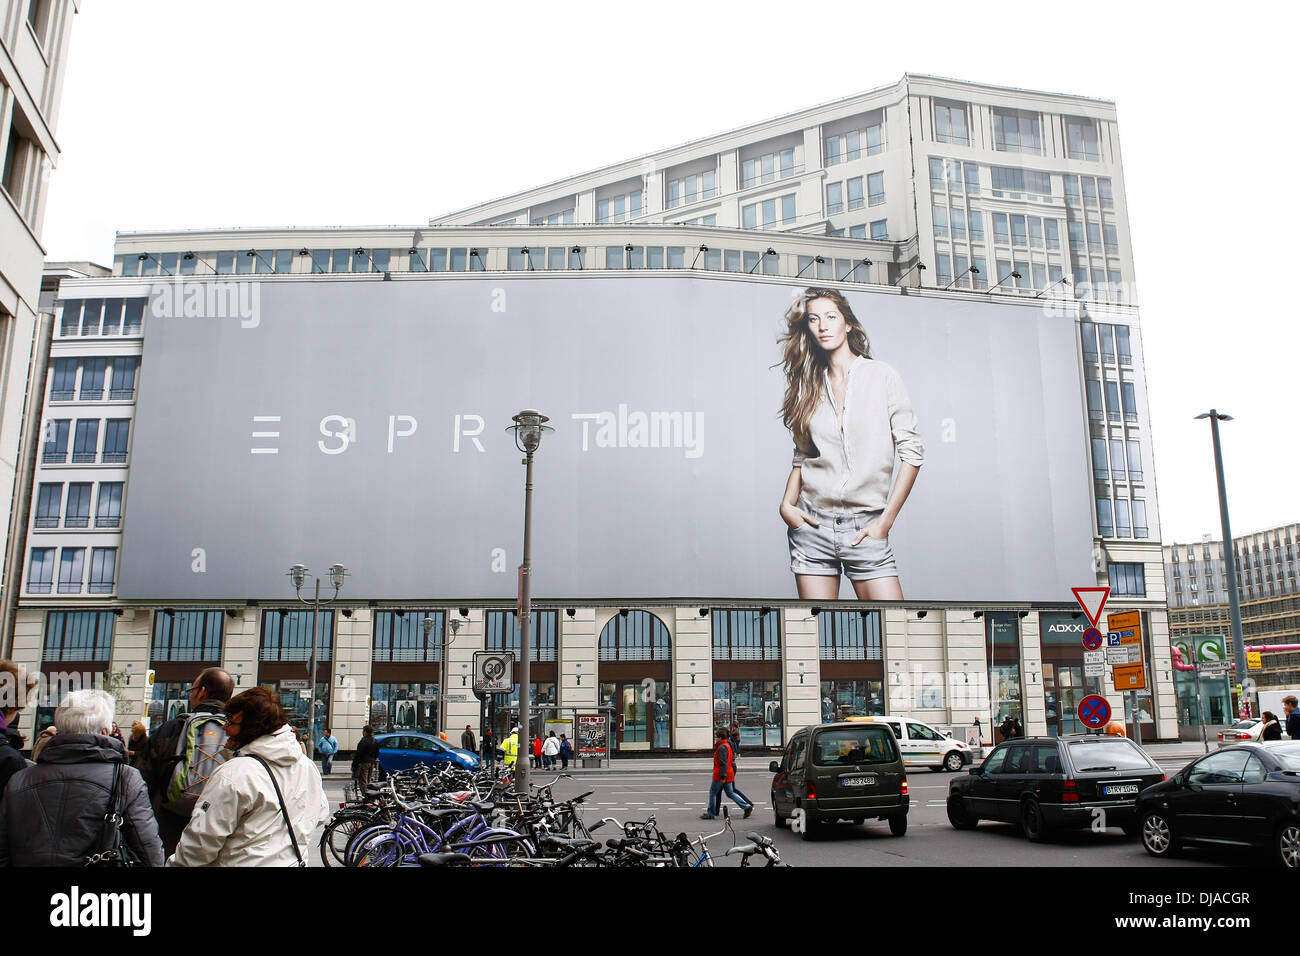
1247	730
923	746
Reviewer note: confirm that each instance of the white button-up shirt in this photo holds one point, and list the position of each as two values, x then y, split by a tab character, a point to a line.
852	465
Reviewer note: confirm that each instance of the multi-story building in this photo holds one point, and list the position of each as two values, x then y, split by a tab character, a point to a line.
34	35
932	188
1266	563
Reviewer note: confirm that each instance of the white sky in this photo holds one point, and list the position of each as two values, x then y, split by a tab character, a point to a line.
255	113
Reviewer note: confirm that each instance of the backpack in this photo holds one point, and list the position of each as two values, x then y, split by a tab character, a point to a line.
199	752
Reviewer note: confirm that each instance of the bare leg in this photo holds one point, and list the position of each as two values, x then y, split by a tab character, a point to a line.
878	589
818	587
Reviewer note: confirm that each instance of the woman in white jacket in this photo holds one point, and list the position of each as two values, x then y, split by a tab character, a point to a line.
239	820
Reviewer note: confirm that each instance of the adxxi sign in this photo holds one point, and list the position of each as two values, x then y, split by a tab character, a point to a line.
365	422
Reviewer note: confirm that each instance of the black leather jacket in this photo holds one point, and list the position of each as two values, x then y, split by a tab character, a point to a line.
53	814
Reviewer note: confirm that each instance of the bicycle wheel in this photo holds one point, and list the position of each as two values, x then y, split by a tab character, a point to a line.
384	849
358	839
336	836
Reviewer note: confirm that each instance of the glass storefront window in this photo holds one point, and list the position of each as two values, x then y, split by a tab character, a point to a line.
1003	643
753	704
851	698
404	706
289	693
170	699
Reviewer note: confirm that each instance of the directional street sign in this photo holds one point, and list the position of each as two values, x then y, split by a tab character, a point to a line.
1094	711
1130	677
1092	638
1092	600
1123	655
1214	668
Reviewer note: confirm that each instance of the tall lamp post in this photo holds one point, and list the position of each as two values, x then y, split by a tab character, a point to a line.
298	575
444	643
528	427
1229	556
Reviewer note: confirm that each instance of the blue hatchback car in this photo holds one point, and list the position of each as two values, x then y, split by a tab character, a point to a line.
404	749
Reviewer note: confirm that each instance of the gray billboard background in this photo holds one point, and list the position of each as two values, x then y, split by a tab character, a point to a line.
1002	509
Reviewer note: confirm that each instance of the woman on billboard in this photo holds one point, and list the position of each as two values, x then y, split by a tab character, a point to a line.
850	417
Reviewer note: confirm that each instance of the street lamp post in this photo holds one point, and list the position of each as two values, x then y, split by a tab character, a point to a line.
443	645
528	427
298	576
1229	555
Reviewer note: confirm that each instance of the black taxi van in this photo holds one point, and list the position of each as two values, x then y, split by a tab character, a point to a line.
841	771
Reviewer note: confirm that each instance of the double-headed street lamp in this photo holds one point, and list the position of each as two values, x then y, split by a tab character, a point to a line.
444	644
1229	555
298	576
528	428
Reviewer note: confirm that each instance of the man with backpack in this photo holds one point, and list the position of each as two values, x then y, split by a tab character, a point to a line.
185	751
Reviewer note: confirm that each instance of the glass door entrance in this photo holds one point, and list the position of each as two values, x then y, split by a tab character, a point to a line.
641	713
1063	687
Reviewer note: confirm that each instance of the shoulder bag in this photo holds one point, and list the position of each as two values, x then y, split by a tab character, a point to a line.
114	850
283	812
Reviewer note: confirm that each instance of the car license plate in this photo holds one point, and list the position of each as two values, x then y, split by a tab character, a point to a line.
858	782
1118	789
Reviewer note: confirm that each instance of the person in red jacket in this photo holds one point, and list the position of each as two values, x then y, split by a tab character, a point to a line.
724	777
537	751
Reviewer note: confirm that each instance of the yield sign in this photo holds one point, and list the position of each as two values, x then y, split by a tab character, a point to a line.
1092	600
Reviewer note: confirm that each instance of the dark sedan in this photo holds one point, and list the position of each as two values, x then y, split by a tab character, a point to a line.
1246	796
1049	783
402	751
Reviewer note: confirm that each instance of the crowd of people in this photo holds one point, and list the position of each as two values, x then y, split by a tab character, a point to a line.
228	783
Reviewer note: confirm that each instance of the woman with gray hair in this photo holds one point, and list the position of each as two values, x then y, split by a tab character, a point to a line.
53	813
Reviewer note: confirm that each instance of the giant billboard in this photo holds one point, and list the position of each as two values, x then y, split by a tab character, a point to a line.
364	422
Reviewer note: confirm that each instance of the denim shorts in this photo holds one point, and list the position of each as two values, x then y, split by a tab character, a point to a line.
828	549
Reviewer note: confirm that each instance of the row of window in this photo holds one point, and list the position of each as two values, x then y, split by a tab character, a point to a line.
1107	342
1112	410
119	373
102	317
72	571
1119	464
50	504
86	448
852	144
874	195
764	212
1121	518
1016	130
1014	182
399	635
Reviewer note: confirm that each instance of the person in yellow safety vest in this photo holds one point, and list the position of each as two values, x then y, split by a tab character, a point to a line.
511	747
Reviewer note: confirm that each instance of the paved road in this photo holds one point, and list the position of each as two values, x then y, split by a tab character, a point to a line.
676	797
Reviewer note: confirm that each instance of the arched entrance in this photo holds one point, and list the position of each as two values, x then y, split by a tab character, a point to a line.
635	661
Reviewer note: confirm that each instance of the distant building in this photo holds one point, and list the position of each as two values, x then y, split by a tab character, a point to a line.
1266	589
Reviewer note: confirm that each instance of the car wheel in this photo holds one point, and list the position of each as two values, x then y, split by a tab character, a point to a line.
953	762
1288	845
1031	822
958	816
1158	836
898	825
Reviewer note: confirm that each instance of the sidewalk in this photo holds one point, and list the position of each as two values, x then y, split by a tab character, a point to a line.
1168	754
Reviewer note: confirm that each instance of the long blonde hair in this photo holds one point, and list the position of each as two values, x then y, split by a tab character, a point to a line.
805	362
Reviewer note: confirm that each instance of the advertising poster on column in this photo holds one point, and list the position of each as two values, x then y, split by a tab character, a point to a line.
714	436
593	735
